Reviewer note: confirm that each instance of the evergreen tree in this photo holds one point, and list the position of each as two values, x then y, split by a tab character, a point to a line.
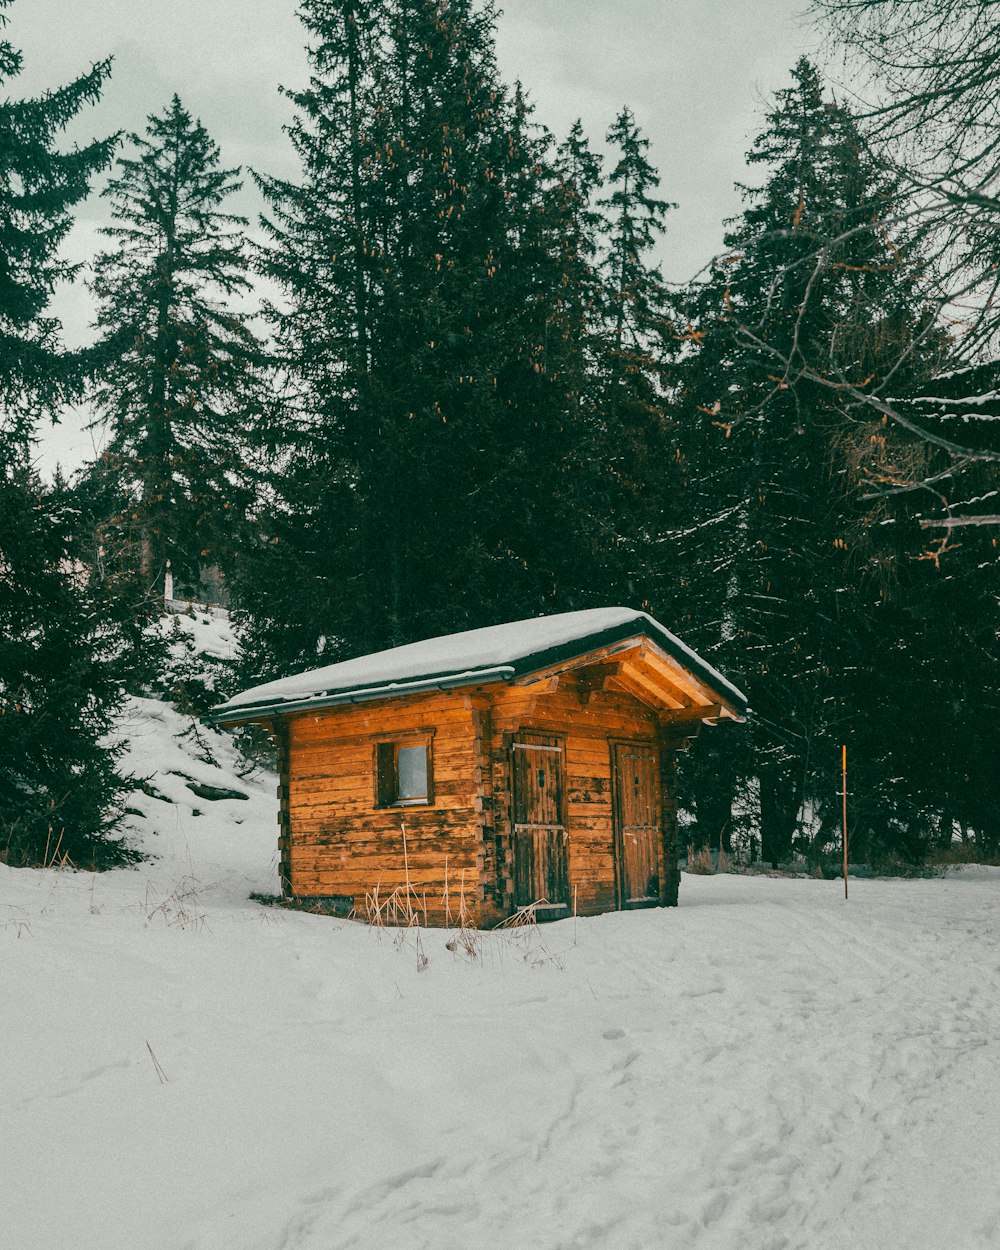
637	355
438	392
797	317
556	461
936	609
577	225
62	636
70	639
635	224
38	187
591	498
178	361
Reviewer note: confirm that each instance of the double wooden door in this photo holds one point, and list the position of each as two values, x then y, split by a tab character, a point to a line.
541	876
637	830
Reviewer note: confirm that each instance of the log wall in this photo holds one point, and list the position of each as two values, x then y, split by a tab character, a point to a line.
341	845
338	843
587	721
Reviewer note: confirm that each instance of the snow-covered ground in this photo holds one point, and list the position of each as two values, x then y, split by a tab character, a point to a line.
764	1068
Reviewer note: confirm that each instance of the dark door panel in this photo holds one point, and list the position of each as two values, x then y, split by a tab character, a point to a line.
636	824
541	874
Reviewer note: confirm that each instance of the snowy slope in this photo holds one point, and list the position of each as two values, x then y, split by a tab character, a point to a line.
764	1068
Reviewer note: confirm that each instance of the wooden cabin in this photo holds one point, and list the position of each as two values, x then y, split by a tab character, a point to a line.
524	766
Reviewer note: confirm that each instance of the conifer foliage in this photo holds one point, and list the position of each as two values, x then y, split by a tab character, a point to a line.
70	638
177	359
636	363
445	313
784	581
62	635
38	187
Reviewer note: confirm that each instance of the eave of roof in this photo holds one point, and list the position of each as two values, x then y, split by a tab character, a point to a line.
249	712
631	625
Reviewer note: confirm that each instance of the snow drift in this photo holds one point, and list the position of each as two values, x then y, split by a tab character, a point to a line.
765	1068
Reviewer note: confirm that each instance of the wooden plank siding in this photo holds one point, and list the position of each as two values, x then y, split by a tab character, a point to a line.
638	822
342	844
585	720
339	841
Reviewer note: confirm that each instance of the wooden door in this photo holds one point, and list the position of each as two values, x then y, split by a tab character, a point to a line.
637	829
539	831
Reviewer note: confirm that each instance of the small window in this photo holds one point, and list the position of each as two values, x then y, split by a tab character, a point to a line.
403	773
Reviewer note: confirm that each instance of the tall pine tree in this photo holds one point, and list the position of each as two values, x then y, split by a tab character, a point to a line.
810	304
635	364
61	638
178	361
438	347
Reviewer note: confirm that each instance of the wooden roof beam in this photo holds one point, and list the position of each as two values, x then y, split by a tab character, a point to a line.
688	721
647	687
597	677
674	673
652	699
578	663
528	692
665	680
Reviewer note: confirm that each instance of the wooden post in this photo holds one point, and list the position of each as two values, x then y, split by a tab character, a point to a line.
489	891
843	778
279	735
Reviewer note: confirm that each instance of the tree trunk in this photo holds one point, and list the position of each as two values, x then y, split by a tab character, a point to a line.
778	817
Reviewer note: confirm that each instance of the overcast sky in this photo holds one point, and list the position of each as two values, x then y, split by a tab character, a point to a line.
696	73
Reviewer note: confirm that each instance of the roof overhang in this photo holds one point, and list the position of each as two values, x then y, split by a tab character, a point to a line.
640	666
697	700
257	713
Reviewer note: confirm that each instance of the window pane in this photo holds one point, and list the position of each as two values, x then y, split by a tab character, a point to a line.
411	772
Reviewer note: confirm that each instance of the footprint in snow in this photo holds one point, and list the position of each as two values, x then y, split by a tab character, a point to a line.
94	1073
703	991
714	1208
612	1035
321	1196
623	1064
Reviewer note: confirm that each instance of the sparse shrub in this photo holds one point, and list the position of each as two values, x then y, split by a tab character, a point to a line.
180	909
963	853
190	679
700	862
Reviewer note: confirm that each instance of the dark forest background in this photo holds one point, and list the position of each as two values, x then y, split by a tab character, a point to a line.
471	397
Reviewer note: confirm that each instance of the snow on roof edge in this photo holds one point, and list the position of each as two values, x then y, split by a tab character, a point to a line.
525	644
224	714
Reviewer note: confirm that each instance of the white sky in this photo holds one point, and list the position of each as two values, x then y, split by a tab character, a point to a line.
695	73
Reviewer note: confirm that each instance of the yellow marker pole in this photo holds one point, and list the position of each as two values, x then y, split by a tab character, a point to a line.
843	775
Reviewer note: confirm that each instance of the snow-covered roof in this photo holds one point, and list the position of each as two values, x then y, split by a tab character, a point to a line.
473	657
